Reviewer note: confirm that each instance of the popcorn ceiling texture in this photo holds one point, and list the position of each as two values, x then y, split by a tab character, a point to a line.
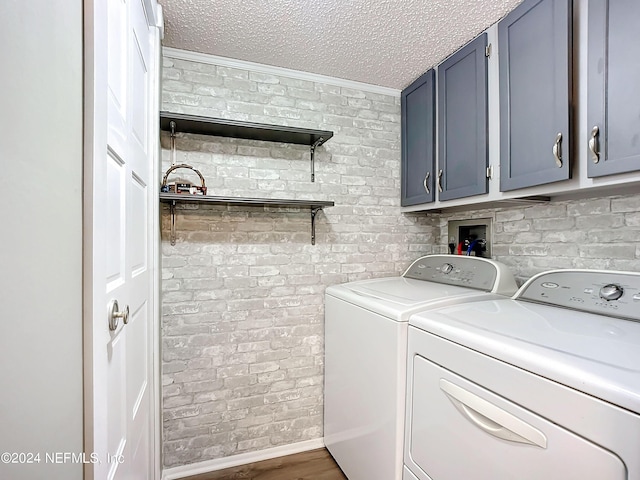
242	310
380	42
243	289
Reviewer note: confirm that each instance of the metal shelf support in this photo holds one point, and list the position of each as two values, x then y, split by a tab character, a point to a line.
314	211
172	199
172	212
317	143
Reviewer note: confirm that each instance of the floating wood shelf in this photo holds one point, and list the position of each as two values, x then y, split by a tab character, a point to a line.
221	127
174	198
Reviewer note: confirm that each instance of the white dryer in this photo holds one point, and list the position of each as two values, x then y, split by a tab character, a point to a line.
365	354
542	386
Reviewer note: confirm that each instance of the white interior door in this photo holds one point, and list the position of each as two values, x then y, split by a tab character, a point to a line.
122	117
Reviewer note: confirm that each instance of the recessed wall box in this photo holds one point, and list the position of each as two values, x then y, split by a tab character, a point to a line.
470	237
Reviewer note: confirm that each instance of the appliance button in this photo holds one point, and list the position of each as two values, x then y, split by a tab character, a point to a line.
611	292
588	291
549	285
446	268
636	297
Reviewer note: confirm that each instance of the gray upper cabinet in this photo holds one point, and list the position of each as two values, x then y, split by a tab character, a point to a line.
613	92
418	140
535	76
462	122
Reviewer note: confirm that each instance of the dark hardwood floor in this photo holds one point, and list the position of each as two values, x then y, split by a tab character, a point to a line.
312	465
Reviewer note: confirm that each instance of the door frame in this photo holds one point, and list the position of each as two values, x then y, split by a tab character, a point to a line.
95	140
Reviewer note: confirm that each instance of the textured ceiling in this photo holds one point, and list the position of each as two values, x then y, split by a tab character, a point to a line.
380	42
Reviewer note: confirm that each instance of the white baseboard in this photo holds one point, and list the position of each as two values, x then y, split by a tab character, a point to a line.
183	471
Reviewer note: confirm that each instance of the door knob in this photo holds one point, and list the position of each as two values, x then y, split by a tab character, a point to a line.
115	315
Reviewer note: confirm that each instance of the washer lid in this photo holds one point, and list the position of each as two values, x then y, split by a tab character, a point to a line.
430	281
404	291
400	297
596	354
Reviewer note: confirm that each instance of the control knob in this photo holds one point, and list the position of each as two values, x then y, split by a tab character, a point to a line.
611	292
446	268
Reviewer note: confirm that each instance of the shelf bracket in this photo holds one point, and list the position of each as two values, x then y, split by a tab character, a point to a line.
172	199
317	143
314	211
173	142
172	210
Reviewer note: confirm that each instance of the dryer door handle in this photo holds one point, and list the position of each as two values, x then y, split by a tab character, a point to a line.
491	418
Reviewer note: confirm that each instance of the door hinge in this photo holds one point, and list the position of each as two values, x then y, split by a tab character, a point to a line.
487	51
489	172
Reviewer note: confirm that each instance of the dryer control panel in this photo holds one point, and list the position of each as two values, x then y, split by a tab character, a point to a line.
616	294
463	271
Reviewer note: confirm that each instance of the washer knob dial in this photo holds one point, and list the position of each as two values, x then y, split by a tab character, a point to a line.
446	268
611	292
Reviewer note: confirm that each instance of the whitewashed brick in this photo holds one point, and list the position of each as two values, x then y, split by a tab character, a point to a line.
243	107
546	211
516	226
200	77
509	215
614	236
269	89
618	251
349	92
254	444
626	204
632	219
589	207
565	223
588	222
570	236
169	73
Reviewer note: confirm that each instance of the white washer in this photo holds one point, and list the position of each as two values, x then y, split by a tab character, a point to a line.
365	354
542	386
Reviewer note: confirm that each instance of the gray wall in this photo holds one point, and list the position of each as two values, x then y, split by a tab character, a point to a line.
41	247
243	289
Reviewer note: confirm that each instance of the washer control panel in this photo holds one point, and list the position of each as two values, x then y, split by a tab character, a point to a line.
471	272
608	293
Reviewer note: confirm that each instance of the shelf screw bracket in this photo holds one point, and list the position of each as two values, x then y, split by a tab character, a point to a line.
314	211
317	143
172	125
172	209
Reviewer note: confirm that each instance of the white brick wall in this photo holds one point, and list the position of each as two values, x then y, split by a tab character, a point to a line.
601	233
243	289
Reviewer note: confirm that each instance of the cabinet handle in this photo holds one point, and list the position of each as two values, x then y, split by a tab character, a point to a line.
426	179
440	181
557	150
593	144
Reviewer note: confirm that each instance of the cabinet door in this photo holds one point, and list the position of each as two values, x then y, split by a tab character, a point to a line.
418	140
462	122
613	105
535	74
